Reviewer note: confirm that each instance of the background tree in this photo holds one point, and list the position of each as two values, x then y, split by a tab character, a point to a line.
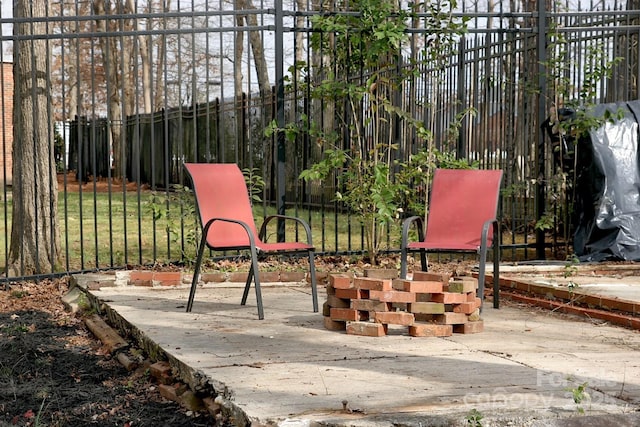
35	241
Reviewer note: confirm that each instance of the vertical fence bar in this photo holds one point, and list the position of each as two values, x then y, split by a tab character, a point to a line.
280	118
542	111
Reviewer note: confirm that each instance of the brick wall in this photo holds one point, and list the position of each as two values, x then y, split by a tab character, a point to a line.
6	128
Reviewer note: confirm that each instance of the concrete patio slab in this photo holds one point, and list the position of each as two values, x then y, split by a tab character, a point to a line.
288	370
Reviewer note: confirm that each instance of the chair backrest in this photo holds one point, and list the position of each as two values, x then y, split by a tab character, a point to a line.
221	192
461	201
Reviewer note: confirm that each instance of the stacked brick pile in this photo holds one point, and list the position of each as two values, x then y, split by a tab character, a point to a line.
429	305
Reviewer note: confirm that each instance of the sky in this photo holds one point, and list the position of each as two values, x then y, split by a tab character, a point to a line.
6	12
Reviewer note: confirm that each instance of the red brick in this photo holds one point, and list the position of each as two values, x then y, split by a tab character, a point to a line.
269	276
213	277
340	281
468	279
292	276
381	273
393	296
430	330
449	298
321	277
367	329
451	318
475	316
161	371
169	392
238	276
424	297
168	278
394	318
326	309
352	293
461	286
425	317
334	301
418	286
469	327
427	276
369	305
334	325
211	406
426	307
372	284
344	314
141	278
466	307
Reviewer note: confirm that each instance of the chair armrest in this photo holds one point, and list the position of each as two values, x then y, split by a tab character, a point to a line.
406	226
247	229
303	223
485	231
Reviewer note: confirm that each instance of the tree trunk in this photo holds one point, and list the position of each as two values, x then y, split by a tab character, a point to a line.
112	70
35	239
257	48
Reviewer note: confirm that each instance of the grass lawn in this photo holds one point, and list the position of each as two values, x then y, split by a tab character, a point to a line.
102	230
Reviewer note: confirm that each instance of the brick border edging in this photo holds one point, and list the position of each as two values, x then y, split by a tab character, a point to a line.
617	311
150	278
589	313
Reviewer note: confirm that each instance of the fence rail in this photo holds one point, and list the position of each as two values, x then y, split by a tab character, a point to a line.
203	82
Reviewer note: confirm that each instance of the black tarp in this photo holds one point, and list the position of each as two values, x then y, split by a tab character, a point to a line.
608	188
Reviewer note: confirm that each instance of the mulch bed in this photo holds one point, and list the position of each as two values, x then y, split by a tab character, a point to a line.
53	372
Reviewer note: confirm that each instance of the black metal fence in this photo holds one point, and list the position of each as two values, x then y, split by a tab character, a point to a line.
135	93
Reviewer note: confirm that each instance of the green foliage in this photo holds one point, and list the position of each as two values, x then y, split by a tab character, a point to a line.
545	222
474	418
570	270
580	395
571	266
177	209
18	294
15	330
360	80
255	183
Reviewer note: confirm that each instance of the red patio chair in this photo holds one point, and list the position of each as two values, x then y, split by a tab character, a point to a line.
227	224
462	217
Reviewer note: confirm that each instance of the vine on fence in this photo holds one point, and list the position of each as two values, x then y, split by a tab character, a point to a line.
359	83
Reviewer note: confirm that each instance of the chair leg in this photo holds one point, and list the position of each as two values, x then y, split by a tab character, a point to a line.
255	275
247	285
196	272
423	260
481	275
496	273
314	287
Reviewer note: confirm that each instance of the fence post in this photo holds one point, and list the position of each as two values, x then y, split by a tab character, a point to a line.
542	113
280	141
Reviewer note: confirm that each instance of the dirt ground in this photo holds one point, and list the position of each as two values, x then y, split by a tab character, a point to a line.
54	372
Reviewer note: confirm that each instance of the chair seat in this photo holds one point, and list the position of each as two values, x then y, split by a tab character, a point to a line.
444	246
284	247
